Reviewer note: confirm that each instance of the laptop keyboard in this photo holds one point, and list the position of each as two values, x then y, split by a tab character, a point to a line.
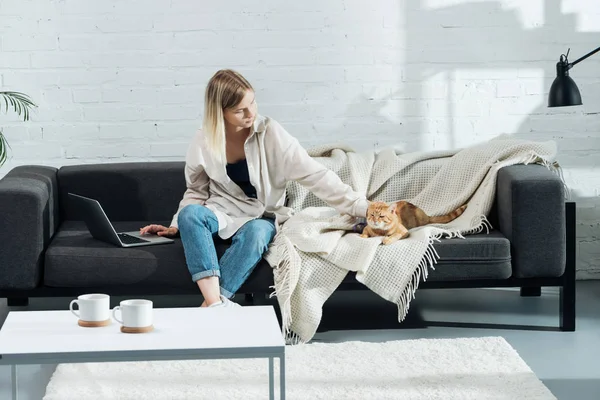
128	239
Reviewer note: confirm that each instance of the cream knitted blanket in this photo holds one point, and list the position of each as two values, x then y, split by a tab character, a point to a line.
316	248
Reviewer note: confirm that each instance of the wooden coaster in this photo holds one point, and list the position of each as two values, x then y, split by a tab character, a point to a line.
145	329
93	324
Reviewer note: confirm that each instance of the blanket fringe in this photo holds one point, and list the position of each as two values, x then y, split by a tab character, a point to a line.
557	169
480	222
428	261
292	339
288	261
553	166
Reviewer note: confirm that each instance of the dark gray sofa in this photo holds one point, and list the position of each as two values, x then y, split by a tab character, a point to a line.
46	251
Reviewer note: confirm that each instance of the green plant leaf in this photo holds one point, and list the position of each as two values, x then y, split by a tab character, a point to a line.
3	149
19	102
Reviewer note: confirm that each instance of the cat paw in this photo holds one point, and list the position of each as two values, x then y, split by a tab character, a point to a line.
387	241
364	236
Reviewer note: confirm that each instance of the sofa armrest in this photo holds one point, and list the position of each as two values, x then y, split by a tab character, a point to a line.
28	220
531	214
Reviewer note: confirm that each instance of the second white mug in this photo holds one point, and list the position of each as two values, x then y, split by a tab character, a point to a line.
135	313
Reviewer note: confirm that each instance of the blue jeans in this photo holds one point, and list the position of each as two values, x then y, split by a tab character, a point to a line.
198	227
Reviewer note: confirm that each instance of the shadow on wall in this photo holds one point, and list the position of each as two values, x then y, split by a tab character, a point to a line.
489	48
453	54
474	37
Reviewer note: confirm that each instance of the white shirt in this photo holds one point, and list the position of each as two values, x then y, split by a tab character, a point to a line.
274	157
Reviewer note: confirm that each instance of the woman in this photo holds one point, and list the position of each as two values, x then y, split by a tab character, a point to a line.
236	172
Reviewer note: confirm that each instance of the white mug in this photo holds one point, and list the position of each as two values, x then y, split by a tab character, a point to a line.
92	307
136	313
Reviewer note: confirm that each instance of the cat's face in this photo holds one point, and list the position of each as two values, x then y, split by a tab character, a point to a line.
380	215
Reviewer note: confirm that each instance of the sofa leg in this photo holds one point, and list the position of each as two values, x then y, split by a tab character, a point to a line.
533	291
568	288
17	301
261	299
567	308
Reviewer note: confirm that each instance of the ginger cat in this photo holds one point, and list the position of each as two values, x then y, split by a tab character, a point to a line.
394	221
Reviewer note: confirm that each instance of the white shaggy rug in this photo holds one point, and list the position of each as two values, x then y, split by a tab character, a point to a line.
461	369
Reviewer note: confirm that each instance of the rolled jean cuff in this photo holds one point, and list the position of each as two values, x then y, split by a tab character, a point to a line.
226	293
210	272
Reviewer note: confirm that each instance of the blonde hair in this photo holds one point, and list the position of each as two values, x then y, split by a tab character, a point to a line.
225	89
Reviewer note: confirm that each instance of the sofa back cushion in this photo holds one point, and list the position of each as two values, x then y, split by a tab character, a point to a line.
140	191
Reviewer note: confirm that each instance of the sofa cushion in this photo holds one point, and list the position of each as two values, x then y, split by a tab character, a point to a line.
479	256
133	191
75	259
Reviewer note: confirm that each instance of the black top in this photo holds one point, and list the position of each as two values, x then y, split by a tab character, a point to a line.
238	172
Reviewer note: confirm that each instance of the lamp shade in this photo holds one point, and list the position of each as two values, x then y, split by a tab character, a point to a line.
564	92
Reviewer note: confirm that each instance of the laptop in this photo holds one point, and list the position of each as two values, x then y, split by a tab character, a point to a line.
102	229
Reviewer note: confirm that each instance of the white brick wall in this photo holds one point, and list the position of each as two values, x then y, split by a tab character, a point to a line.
123	80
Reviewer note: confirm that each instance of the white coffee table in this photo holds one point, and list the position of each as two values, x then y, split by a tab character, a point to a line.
53	337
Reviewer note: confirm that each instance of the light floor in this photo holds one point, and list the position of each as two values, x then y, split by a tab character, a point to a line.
567	362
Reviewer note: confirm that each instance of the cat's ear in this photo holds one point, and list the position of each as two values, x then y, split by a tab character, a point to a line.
393	207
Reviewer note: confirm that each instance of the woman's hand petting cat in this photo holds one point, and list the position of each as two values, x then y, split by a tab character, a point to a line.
159	230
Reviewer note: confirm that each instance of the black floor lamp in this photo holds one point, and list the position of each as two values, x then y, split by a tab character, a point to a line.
564	91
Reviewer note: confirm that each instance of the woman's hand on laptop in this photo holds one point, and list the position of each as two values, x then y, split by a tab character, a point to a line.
159	230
